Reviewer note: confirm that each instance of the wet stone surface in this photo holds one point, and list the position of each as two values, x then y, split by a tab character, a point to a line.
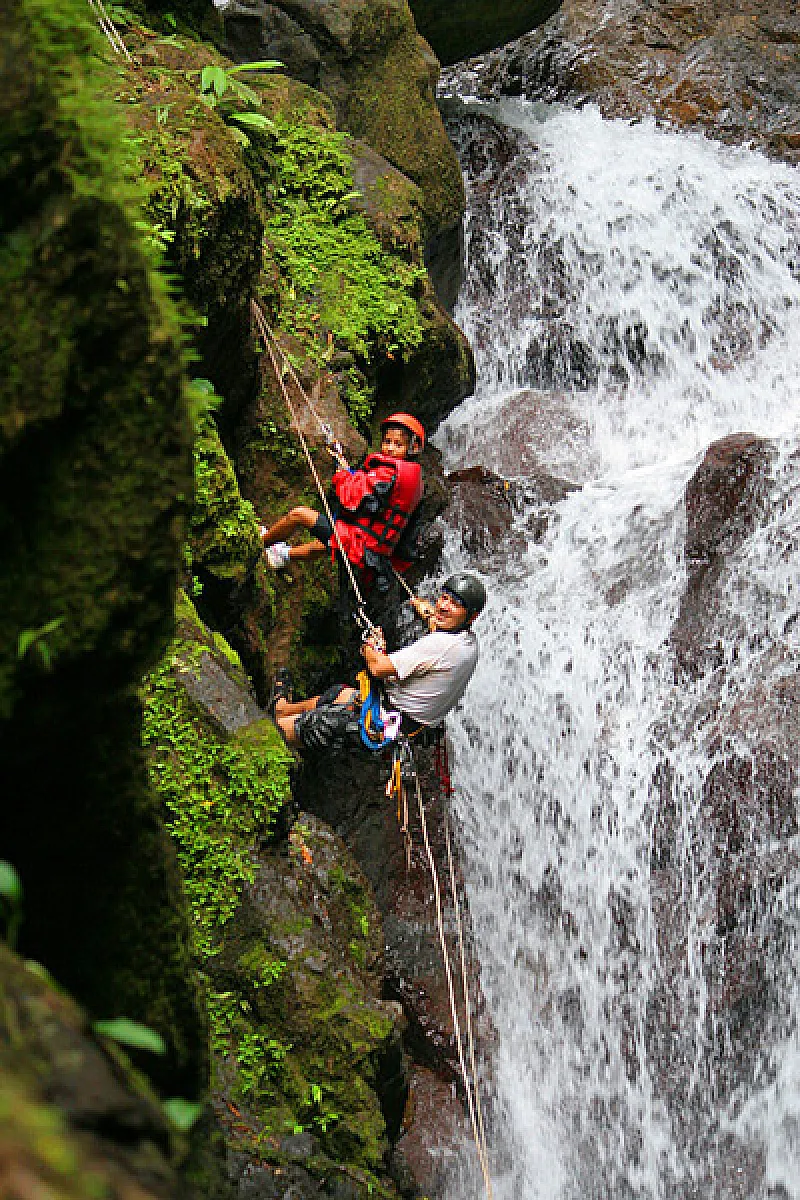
731	70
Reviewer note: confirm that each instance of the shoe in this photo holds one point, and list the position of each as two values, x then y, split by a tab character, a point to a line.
282	688
277	556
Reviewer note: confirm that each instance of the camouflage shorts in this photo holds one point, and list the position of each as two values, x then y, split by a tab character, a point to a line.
331	727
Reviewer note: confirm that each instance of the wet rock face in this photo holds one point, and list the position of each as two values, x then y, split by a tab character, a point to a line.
734	929
724	501
484	506
350	794
732	71
342	1075
744	834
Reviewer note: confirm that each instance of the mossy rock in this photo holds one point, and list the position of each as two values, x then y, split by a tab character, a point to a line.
220	766
95	485
475	26
203	201
381	75
232	587
76	1121
302	1040
391	105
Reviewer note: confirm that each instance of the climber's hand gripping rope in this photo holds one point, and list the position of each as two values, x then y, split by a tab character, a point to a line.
333	446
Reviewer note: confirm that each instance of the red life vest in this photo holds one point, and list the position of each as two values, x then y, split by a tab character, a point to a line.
360	530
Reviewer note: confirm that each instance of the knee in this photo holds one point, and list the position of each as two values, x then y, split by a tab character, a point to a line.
286	726
304	516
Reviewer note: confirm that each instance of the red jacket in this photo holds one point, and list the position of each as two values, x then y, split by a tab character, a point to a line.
375	503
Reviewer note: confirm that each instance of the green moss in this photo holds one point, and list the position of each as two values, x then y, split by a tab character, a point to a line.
201	199
221	796
337	276
223	531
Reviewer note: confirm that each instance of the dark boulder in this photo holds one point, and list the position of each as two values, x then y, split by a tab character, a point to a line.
725	501
475	26
484	509
745	715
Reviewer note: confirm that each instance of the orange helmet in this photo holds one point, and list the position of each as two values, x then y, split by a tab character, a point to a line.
414	428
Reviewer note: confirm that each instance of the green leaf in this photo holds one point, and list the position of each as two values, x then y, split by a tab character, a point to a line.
10	884
42	973
131	1033
220	80
253	120
245	93
182	1113
213	79
266	64
28	637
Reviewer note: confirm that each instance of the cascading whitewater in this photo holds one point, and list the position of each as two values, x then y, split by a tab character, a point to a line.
632	295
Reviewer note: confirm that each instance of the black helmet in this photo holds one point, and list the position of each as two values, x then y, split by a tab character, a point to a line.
468	589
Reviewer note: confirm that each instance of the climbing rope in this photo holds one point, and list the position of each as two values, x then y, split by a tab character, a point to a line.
470	1078
464	988
109	29
333	446
368	629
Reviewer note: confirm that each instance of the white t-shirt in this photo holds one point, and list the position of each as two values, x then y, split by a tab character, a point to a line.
432	674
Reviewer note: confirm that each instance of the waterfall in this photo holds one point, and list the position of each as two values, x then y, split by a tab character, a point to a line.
632	294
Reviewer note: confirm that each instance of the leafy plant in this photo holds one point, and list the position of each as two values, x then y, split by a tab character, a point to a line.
38	639
222	89
10	901
131	1033
321	1118
183	1114
203	399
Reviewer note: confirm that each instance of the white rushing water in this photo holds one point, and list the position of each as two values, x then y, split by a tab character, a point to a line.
646	286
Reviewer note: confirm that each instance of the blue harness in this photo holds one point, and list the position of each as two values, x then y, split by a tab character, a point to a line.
371	726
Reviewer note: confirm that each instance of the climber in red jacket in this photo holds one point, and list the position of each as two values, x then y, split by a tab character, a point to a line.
373	505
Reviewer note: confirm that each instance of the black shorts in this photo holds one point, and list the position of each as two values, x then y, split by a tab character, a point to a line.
322	530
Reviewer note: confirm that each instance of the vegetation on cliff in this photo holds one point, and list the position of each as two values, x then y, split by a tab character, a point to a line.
95	486
98	431
300	1040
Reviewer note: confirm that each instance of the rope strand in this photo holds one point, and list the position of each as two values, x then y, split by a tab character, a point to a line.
482	1150
470	1083
109	29
269	343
